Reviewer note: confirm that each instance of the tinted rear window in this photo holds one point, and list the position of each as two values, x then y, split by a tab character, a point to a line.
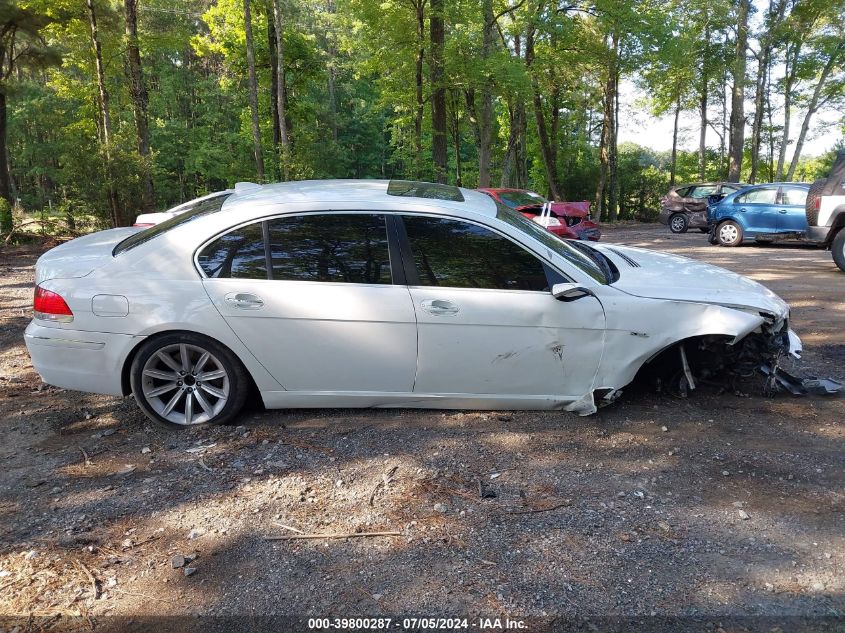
344	248
201	208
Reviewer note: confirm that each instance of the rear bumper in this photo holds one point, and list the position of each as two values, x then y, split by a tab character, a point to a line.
84	361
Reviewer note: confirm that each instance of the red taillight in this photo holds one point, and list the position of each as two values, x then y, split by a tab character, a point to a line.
48	306
142	225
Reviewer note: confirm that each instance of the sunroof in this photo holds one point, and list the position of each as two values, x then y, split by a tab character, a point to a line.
412	189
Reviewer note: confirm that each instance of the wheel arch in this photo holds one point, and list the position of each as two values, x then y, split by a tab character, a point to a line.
126	370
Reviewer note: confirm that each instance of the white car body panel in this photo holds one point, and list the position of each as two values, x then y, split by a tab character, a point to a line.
329	344
366	333
827	208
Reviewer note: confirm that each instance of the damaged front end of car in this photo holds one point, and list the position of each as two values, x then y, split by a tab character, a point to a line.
753	363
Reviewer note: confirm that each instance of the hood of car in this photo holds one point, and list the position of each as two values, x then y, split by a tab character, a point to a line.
656	275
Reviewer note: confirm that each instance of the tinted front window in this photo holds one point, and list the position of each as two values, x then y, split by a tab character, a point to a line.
461	255
767	195
515	199
192	212
238	254
340	248
795	196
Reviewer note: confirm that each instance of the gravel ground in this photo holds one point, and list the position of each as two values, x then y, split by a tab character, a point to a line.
712	506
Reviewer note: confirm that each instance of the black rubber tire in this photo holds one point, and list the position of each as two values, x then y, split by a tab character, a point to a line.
810	206
681	220
837	249
737	241
704	230
238	378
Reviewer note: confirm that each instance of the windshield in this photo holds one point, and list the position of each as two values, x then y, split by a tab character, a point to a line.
192	211
514	199
584	258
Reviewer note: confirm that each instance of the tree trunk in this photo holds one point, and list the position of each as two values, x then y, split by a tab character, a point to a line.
702	101
773	19
485	114
604	142
274	78
812	107
418	79
456	137
105	116
613	196
253	94
439	145
737	124
674	166
140	100
513	169
757	125
547	153
5	181
281	97
789	83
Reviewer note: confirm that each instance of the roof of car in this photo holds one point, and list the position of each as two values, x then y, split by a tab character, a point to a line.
328	191
778	184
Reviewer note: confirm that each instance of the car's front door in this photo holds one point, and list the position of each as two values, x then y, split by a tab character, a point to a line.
792	213
757	210
487	321
318	308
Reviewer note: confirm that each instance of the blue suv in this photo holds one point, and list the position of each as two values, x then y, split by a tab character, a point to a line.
761	212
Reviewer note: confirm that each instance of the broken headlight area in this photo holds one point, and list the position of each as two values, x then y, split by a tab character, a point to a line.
752	364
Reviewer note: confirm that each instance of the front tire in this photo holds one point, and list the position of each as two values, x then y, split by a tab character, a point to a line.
837	249
678	223
729	233
181	380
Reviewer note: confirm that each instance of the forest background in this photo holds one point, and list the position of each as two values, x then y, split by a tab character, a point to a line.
110	108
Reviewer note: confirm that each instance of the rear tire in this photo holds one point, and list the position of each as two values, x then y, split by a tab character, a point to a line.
810	206
678	223
837	249
729	233
185	379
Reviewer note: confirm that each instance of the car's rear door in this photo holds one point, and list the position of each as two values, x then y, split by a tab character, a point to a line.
792	215
487	321
318	307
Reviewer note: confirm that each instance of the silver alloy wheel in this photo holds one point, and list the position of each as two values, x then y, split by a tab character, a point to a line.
728	234
677	223
185	384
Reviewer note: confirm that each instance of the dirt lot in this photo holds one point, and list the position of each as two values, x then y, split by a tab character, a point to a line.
712	506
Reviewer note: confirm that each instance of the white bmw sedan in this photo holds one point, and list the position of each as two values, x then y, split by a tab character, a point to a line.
377	294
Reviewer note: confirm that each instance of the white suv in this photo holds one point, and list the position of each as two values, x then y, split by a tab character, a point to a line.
826	211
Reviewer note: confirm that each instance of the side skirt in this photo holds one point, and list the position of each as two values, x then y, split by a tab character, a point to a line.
377	399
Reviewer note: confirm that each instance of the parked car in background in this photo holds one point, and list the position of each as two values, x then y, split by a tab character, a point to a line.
774	211
568	220
685	207
826	211
377	294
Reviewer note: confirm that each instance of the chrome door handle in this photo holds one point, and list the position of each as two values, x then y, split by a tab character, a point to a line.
440	307
244	300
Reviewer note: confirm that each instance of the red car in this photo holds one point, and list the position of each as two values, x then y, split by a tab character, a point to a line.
568	220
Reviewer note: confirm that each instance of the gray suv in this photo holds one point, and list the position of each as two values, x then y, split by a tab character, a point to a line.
826	211
685	206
